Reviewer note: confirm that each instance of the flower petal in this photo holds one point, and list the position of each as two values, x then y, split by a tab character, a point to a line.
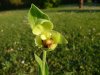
42	26
37	30
43	37
47	24
38	41
52	47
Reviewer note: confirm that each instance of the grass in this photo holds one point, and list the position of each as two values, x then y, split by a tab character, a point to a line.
80	56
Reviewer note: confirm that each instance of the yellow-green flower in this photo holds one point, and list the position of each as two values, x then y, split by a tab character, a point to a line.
49	40
45	36
42	27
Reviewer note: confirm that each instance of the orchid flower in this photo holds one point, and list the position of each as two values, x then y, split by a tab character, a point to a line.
42	27
45	36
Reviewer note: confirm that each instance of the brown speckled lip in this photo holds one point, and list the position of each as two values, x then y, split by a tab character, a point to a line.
47	43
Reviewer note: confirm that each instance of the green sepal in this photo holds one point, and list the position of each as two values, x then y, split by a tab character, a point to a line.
37	17
58	38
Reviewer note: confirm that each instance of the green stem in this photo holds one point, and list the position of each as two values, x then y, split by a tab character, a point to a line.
44	61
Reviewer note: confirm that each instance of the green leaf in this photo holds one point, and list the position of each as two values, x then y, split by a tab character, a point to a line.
58	38
46	69
34	15
39	71
39	61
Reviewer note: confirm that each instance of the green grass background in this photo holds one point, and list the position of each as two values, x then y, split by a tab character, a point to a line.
81	56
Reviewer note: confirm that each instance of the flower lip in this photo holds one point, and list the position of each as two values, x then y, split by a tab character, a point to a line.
47	43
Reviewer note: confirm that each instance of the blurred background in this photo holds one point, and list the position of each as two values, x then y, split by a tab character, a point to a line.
77	20
13	4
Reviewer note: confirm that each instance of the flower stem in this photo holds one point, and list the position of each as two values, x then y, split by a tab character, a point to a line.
44	61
